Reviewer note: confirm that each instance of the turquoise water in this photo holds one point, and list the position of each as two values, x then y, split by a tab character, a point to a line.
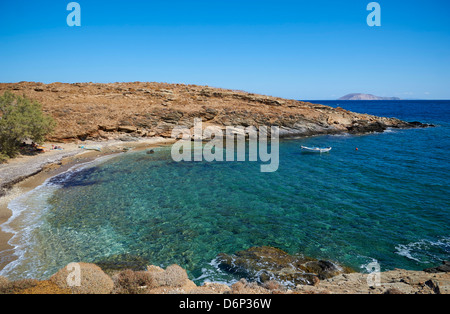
389	201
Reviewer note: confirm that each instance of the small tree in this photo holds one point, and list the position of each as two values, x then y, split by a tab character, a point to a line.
20	119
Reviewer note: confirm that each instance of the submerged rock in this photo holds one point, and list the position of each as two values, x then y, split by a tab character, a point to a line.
263	264
116	263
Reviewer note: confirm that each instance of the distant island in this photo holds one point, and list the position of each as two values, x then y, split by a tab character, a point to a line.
356	96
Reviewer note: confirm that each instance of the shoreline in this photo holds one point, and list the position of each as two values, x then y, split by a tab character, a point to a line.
346	283
25	173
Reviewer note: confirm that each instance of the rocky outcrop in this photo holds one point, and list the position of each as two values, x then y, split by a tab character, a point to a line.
264	264
89	111
92	279
392	282
174	280
364	127
416	124
444	268
154	280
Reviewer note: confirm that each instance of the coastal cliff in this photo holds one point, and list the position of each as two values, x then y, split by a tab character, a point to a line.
90	111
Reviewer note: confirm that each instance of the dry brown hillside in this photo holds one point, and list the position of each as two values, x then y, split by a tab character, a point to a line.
101	111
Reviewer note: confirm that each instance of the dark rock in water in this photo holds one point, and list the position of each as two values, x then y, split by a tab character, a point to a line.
444	268
416	124
263	264
117	263
150	152
324	269
362	127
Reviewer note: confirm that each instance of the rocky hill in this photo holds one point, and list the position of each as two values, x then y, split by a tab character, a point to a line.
106	111
366	97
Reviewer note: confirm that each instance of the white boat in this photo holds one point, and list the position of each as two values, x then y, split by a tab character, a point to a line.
316	149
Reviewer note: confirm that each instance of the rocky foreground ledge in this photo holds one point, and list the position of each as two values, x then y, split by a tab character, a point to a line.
89	111
305	275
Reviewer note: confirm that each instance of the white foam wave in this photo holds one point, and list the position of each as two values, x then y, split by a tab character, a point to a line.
424	251
367	266
28	208
342	135
213	273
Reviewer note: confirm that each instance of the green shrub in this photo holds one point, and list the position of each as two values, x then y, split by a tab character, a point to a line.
3	157
20	119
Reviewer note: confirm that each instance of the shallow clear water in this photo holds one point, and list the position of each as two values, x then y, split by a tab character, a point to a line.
389	201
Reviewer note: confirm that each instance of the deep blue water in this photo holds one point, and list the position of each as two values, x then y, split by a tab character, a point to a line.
389	201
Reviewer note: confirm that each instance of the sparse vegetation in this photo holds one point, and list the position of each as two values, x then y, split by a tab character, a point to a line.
132	282
21	119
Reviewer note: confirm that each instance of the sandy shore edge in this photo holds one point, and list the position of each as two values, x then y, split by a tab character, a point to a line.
26	173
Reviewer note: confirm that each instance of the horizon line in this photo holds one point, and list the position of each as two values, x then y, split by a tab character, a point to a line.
234	89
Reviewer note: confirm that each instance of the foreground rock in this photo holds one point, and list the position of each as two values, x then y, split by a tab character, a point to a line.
392	282
155	280
92	280
174	280
121	110
264	264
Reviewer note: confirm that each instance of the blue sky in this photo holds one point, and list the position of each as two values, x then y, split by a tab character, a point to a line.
294	49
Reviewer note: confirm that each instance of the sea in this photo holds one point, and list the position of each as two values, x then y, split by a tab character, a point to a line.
380	197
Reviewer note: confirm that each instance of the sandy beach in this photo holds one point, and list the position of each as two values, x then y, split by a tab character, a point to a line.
25	173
